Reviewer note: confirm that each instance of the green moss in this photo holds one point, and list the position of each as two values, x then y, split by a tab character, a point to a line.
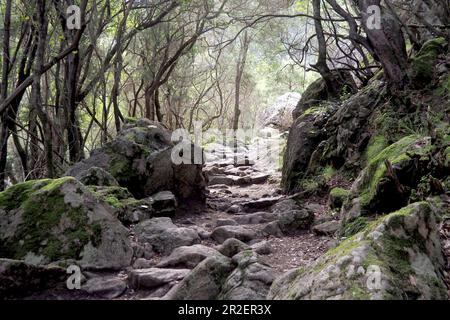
389	252
422	65
444	87
376	169
337	197
376	145
130	120
121	168
50	226
12	197
358	292
353	227
315	110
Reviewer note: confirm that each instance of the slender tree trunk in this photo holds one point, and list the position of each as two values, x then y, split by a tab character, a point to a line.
331	80
4	132
240	66
36	99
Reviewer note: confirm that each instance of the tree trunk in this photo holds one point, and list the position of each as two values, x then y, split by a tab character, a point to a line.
388	43
240	65
4	132
36	99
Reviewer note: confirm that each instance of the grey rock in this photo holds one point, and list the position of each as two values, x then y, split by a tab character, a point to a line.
187	257
164	236
106	287
139	158
204	282
225	222
272	229
232	247
285	205
221	180
262	247
168	240
163	203
154	277
256	218
151	227
96	176
260	204
291	221
223	233
83	226
251	280
142	263
398	257
328	228
235	208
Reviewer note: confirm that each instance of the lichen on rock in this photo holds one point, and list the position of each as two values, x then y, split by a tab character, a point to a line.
395	257
61	220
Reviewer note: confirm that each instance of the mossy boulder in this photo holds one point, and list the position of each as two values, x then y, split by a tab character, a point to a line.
139	158
395	257
304	137
422	65
52	220
374	191
318	91
337	197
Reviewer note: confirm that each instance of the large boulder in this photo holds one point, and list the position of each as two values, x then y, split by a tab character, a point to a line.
397	257
318	92
49	220
279	114
304	137
329	133
139	158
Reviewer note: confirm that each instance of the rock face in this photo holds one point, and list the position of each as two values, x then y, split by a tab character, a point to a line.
139	158
279	114
317	92
374	191
423	64
327	133
397	257
304	137
53	220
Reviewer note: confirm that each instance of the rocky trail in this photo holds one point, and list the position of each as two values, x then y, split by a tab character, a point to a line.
245	212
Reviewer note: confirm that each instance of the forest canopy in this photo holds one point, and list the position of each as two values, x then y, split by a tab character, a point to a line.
74	71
